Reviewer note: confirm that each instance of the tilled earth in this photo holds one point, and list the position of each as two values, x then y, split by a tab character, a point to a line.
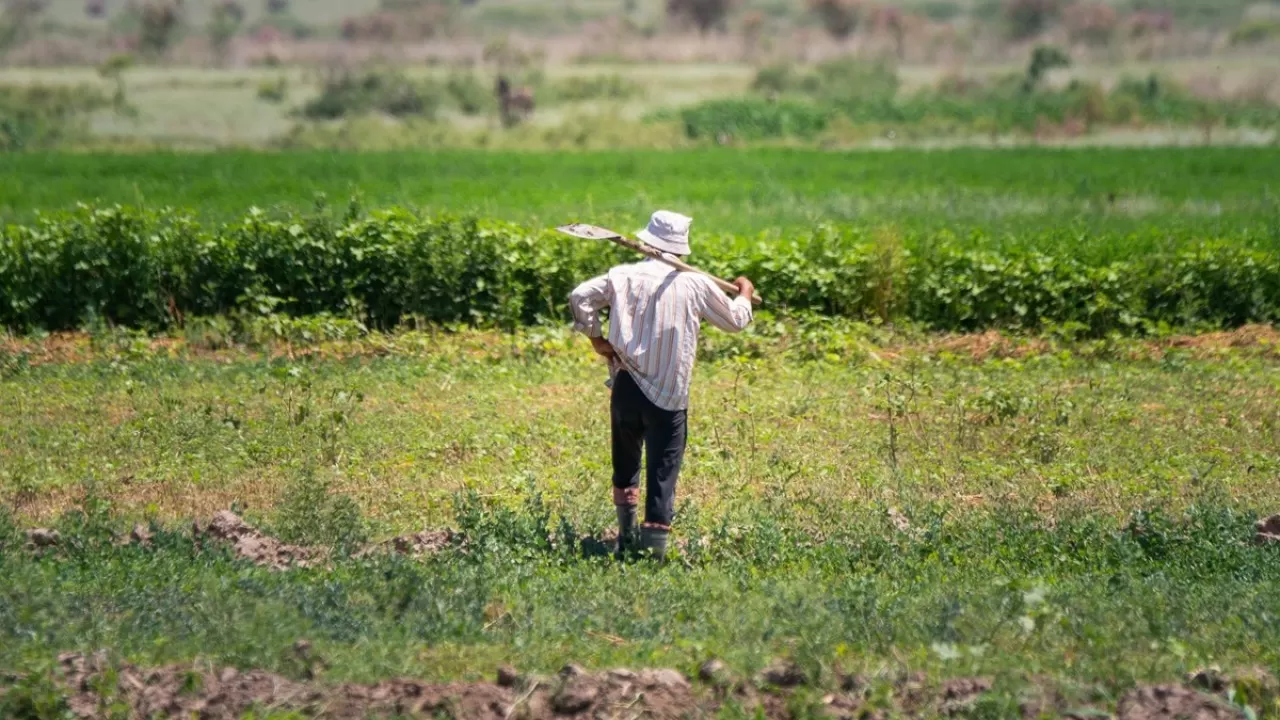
189	691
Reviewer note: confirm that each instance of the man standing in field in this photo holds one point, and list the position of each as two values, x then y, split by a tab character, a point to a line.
655	312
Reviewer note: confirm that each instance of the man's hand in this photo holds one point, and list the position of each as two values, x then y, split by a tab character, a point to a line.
603	348
746	288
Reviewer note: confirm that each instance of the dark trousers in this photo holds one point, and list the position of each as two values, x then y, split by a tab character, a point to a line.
638	422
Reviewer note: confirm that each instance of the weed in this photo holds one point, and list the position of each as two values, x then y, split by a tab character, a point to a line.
310	513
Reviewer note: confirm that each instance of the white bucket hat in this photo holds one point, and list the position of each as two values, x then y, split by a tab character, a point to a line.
668	231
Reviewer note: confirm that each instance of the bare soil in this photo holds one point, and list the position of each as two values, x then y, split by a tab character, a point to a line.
227	693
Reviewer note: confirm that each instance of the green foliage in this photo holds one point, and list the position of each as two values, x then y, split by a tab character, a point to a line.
224	22
1256	31
38	117
837	81
311	514
594	87
145	269
753	119
274	91
38	696
158	23
468	93
387	92
1044	59
867	95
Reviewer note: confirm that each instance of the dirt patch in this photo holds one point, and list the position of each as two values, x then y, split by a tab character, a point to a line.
226	693
427	542
1245	336
1268	531
990	344
1173	702
260	548
254	545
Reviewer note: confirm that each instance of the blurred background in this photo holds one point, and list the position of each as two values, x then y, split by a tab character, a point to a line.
559	74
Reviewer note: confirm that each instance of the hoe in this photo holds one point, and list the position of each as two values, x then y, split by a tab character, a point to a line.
591	232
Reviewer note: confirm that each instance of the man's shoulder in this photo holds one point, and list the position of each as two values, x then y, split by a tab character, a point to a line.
641	268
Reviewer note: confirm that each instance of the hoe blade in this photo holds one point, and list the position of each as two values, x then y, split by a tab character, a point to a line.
588	232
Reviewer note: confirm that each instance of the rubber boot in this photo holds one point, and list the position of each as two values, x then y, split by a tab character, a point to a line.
628	538
653	542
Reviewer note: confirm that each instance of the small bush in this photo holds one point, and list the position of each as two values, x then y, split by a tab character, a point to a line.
273	91
599	87
468	93
309	514
752	119
388	92
39	117
832	81
839	17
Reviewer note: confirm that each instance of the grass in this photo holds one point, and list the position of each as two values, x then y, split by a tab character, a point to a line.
1078	514
1223	192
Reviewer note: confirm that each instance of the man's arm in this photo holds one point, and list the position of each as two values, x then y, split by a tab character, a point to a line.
585	302
728	315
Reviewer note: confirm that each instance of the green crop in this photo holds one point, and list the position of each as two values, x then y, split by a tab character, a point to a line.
148	269
1115	201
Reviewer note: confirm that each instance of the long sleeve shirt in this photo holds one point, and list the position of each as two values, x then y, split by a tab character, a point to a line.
655	312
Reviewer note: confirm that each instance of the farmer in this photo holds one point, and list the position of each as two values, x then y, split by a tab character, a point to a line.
654	317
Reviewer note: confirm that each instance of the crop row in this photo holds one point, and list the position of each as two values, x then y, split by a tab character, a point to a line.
152	269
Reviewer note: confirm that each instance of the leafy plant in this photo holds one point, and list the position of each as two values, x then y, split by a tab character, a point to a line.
346	94
311	514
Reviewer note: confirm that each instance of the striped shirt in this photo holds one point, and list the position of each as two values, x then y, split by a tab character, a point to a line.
654	315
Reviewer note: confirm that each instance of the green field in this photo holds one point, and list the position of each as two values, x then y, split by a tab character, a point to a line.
1071	524
1055	510
1201	192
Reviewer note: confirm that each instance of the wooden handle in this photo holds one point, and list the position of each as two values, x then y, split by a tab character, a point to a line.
722	284
678	264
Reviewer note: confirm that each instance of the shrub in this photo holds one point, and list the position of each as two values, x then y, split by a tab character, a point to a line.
147	270
835	80
310	514
752	119
839	17
159	21
224	22
38	117
597	87
273	91
389	92
468	93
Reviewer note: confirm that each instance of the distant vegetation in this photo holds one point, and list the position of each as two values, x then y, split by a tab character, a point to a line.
801	102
